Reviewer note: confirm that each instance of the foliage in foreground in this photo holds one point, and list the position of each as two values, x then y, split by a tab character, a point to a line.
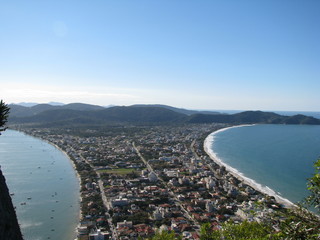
244	230
165	235
4	112
300	224
314	188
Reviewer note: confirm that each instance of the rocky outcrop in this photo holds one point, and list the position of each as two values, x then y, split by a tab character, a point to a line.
9	227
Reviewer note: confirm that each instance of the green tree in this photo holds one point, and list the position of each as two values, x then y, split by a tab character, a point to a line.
314	188
206	232
232	231
165	235
300	223
4	113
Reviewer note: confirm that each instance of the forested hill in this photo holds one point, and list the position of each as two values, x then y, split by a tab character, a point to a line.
179	110
23	111
251	117
112	115
80	114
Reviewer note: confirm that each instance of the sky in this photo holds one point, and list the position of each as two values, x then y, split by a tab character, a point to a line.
195	54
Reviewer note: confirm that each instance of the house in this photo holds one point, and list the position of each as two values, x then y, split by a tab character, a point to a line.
119	202
124	224
98	235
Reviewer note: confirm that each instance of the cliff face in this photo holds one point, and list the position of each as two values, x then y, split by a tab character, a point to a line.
9	227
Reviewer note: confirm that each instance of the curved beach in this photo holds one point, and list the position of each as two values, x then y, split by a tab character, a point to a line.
209	141
44	174
78	177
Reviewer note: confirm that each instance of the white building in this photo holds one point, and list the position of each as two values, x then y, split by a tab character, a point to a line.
98	235
157	214
123	224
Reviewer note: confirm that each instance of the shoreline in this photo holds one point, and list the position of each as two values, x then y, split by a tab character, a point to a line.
74	168
209	140
79	181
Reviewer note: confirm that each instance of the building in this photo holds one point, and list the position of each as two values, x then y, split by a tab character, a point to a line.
152	177
98	235
123	224
119	202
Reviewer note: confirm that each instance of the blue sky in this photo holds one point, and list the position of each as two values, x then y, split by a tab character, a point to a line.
246	55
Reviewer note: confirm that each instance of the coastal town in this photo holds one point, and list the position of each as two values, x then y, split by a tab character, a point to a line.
139	180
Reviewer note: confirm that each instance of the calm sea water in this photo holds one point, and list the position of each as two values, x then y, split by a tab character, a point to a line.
280	157
44	184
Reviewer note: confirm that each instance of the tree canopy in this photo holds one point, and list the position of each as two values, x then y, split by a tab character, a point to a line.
165	235
4	113
232	231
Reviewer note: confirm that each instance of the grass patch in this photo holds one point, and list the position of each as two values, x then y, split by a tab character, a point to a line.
119	171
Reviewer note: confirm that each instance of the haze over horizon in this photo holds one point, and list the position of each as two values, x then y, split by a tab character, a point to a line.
241	55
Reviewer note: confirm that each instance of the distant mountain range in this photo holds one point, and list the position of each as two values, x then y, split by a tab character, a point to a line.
17	110
178	110
86	114
31	104
250	117
31	109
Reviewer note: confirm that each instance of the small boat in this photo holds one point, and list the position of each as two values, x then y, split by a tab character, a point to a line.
23	203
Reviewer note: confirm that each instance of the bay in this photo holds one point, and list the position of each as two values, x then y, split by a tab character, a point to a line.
43	184
276	158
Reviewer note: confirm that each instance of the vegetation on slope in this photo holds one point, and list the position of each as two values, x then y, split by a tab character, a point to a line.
81	114
251	117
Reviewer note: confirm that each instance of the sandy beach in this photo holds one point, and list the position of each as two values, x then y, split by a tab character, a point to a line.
259	187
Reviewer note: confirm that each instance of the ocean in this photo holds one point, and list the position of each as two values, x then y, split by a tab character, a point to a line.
43	184
277	159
